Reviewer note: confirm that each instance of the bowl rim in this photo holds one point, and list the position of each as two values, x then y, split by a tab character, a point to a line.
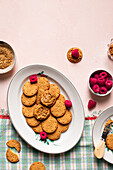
10	67
98	94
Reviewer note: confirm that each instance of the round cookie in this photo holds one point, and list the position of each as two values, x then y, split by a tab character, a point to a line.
61	97
54	90
32	121
39	94
11	156
28	101
38	129
73	59
28	111
49	125
30	89
63	128
48	99
55	135
43	83
66	118
40	112
109	141
58	109
14	144
37	166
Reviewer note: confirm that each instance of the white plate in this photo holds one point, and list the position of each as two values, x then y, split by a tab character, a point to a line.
98	130
69	138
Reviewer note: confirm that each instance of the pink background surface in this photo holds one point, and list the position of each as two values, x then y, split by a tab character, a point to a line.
43	31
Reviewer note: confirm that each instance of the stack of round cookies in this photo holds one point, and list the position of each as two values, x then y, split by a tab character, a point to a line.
44	108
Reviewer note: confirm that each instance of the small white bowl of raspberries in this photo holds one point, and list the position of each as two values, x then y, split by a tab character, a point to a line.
101	82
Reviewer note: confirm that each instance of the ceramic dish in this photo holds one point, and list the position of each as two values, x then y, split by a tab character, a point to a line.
98	72
69	138
98	130
9	68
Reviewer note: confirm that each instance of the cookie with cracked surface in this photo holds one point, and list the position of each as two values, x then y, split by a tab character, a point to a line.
58	109
66	118
11	156
54	90
50	124
37	166
73	59
28	101
43	83
48	99
30	89
39	94
32	121
14	144
41	112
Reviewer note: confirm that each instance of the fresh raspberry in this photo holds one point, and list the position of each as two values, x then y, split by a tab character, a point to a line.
75	53
91	104
68	103
96	88
96	76
92	81
43	135
108	84
103	74
103	90
101	81
33	79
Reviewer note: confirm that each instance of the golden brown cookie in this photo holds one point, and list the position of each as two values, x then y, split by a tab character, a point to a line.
73	59
37	166
55	135
14	144
108	122
38	129
39	94
28	111
28	101
49	125
62	98
63	128
66	118
109	141
58	109
54	90
48	99
11	156
32	121
30	89
40	112
43	83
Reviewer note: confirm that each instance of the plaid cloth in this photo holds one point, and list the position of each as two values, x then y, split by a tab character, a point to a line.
79	157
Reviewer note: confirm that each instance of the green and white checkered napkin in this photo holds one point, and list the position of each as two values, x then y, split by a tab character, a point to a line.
79	157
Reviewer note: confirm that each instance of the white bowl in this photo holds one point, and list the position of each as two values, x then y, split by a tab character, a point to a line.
9	68
99	71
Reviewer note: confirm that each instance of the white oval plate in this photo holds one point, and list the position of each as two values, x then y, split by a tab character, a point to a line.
69	138
98	130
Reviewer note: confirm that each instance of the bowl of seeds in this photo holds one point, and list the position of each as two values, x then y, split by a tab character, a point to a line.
7	57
